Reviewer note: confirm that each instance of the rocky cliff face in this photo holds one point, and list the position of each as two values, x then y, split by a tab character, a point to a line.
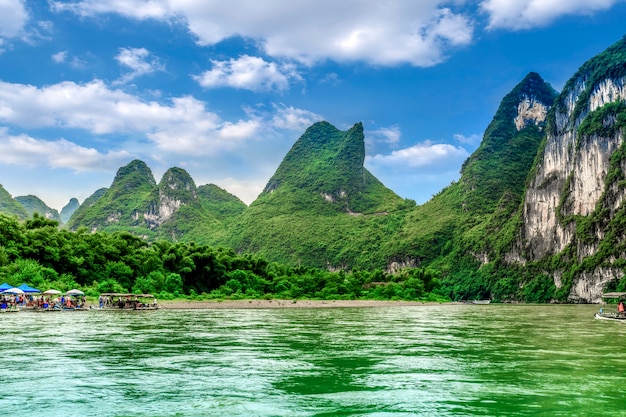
577	193
176	189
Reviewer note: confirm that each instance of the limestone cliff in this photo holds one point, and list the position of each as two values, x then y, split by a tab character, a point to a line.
574	202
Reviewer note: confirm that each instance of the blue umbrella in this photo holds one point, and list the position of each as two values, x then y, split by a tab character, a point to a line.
28	289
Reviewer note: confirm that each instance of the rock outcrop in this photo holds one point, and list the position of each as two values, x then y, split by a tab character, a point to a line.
577	194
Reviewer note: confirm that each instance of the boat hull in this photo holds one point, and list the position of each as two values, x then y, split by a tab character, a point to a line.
610	316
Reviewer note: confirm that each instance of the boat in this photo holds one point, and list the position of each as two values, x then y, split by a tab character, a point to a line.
612	311
112	301
481	301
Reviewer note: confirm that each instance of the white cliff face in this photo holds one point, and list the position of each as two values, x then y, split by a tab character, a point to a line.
530	111
167	207
570	180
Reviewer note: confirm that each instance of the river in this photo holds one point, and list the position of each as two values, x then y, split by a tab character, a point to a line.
434	360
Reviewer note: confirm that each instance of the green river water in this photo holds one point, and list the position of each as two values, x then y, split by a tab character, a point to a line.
440	360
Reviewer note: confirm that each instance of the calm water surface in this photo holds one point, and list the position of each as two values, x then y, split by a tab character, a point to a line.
443	360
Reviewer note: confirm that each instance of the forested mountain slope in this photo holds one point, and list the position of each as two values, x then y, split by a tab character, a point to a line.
465	225
174	209
322	207
10	206
34	204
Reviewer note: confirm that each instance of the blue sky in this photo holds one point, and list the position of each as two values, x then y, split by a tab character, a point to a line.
224	88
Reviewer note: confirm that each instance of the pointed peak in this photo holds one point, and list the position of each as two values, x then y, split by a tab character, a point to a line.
535	88
136	169
179	181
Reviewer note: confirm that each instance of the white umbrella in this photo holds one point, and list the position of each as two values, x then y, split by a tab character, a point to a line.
51	292
74	292
13	290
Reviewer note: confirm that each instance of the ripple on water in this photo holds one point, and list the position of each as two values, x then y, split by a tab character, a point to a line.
443	360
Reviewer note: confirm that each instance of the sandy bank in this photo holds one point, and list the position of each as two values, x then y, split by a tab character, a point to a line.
238	304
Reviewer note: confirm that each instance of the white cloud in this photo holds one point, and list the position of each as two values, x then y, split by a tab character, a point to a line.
291	118
249	73
424	156
136	59
25	150
525	14
13	18
246	190
183	126
59	57
383	33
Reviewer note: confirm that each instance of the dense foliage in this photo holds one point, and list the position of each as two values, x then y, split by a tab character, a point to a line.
41	254
322	208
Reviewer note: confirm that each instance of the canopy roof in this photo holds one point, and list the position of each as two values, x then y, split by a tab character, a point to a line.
614	295
5	286
27	288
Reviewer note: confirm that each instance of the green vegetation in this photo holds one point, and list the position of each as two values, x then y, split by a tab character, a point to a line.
39	253
322	208
11	206
33	205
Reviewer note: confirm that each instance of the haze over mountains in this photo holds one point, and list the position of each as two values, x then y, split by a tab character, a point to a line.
539	207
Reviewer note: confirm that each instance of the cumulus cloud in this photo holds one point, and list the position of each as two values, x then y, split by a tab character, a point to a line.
139	63
249	73
525	14
183	125
28	151
426	156
382	33
13	18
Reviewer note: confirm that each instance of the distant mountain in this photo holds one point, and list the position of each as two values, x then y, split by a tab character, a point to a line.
10	206
174	209
69	209
321	207
34	204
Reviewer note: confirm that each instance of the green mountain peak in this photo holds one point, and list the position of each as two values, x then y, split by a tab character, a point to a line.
34	204
178	185
509	146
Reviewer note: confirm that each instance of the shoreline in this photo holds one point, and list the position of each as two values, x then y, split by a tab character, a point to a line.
266	304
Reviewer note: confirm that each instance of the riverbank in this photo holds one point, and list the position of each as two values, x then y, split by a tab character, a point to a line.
240	304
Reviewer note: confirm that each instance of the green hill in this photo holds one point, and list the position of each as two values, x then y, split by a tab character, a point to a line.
321	207
174	209
34	204
10	206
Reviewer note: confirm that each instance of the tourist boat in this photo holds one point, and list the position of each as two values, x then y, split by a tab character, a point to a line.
481	302
112	301
611	313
